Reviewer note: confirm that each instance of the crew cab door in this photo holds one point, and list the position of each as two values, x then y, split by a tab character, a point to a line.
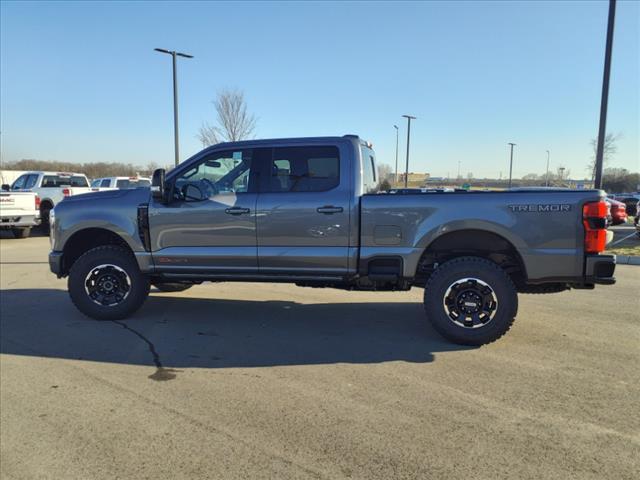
303	211
209	224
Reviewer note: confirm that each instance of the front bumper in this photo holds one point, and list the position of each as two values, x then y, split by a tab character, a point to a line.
55	263
600	269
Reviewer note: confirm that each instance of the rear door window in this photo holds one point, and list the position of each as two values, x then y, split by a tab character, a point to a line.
304	169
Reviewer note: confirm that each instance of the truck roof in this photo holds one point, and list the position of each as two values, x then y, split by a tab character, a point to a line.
61	174
285	141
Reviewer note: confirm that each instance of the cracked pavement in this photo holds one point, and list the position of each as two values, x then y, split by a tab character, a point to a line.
236	381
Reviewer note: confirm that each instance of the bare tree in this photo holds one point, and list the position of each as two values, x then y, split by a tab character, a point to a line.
384	171
609	150
233	123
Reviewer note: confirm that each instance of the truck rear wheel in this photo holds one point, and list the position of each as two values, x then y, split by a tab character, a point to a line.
21	232
105	283
470	301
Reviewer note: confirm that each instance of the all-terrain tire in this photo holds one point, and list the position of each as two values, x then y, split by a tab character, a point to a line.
121	260
173	287
21	232
441	309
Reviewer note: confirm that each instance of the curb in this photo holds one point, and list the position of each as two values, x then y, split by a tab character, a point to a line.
627	260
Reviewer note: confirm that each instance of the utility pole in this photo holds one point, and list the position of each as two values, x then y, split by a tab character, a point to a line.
175	54
546	183
397	136
605	94
511	163
406	173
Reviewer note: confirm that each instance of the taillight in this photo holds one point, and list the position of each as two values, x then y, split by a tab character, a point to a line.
594	219
37	202
66	192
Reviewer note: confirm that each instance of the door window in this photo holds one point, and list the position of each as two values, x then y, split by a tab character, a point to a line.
31	181
304	169
19	183
222	172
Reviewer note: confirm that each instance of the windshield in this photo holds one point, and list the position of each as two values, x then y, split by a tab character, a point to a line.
127	183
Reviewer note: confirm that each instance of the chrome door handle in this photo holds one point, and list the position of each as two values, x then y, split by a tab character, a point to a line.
328	209
236	210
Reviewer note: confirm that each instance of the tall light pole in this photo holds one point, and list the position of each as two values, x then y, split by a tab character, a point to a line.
175	54
397	135
406	175
511	163
546	183
605	95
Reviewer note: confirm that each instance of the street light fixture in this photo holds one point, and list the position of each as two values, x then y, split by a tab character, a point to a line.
511	163
406	174
397	134
175	54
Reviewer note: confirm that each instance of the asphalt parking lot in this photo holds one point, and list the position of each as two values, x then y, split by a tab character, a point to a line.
274	381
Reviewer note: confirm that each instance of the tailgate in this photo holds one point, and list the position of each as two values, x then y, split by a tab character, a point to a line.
17	203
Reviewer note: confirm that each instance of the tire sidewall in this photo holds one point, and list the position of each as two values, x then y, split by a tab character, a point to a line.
139	288
21	232
489	273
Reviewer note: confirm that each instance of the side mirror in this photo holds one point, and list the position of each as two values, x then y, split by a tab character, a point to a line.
6	187
157	184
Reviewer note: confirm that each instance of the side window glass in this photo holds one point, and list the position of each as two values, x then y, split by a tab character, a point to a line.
369	177
304	169
105	183
222	172
31	181
19	183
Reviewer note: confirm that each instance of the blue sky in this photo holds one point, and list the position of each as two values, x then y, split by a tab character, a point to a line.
81	82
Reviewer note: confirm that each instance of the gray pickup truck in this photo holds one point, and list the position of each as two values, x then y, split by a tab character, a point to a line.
309	211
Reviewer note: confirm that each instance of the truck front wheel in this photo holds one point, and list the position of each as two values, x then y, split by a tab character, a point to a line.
470	301
105	283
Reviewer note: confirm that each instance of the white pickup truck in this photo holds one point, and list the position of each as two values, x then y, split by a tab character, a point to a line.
19	212
121	183
51	188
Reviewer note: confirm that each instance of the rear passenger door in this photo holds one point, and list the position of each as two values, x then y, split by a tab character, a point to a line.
302	214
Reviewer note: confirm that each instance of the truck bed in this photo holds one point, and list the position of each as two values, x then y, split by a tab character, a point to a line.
544	226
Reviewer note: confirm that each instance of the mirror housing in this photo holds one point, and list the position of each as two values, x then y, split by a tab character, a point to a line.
6	187
157	185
